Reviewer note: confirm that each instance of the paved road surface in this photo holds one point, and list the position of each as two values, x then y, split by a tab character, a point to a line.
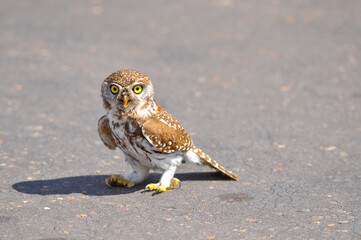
271	89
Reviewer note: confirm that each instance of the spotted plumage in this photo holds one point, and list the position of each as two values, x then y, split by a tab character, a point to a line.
149	136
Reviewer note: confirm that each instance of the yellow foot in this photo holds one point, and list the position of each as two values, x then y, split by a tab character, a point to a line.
175	182
162	188
116	180
152	186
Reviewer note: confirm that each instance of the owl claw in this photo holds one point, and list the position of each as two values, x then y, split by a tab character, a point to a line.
175	182
163	188
116	180
152	186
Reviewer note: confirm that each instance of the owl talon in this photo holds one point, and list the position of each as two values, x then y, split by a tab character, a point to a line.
163	188
175	182
152	186
116	180
109	182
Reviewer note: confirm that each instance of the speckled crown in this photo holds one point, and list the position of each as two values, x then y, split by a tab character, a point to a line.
126	77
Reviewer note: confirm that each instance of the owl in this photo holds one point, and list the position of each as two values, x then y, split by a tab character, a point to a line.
149	136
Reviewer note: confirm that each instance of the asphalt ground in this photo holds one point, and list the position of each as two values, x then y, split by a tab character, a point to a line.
270	89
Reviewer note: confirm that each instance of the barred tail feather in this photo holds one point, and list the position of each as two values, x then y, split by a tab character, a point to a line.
213	164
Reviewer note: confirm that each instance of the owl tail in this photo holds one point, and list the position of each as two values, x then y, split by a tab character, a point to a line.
213	164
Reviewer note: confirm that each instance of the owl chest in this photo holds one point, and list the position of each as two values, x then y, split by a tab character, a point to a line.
125	135
130	140
122	139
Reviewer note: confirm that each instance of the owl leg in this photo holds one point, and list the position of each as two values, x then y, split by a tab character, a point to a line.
166	181
130	179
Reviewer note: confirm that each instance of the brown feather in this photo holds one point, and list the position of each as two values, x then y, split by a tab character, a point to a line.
105	133
164	132
213	164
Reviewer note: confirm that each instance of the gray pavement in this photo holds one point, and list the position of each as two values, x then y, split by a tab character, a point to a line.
270	89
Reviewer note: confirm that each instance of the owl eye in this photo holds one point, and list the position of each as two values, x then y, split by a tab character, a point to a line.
114	89
137	89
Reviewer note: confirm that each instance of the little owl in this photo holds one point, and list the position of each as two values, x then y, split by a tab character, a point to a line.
148	135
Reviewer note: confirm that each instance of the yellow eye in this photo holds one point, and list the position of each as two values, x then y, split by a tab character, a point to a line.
114	89
137	89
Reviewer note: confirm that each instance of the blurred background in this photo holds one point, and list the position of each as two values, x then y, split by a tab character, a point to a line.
271	89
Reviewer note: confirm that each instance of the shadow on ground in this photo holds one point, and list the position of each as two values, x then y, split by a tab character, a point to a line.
94	185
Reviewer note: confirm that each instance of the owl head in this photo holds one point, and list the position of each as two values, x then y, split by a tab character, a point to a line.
123	90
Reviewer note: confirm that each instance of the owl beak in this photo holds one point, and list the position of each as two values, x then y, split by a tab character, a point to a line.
126	101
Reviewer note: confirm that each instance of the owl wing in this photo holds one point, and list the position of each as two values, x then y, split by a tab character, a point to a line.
105	133
165	133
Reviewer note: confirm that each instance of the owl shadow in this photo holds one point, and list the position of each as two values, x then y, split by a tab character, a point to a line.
94	185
